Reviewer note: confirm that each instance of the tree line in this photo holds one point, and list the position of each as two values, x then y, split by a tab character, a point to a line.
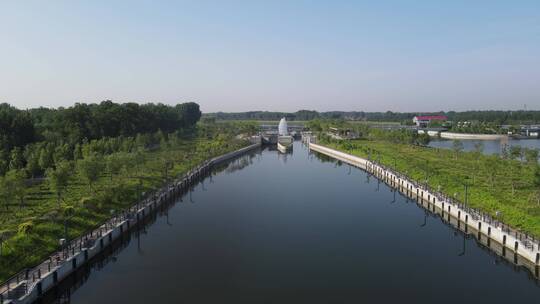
35	140
495	117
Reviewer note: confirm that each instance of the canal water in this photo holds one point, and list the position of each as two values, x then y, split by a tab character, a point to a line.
490	146
299	228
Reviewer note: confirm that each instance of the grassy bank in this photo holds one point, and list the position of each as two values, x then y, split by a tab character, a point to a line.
32	230
494	184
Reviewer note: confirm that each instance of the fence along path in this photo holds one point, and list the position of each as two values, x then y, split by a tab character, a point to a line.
29	284
520	243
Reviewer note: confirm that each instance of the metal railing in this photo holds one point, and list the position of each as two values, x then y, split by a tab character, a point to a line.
528	241
23	282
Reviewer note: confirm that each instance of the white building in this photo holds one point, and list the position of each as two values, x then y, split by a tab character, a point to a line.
283	129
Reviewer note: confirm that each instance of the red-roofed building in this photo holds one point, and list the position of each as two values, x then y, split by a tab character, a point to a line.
423	121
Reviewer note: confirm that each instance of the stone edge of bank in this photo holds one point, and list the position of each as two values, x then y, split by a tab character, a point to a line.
109	234
404	185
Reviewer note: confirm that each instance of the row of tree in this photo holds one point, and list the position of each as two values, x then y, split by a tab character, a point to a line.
37	139
495	117
406	136
89	160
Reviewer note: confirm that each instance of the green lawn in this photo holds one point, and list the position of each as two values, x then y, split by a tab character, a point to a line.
495	184
35	228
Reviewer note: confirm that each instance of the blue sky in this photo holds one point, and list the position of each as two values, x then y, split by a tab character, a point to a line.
273	55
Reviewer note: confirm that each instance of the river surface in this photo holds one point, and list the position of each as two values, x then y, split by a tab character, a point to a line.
274	228
490	146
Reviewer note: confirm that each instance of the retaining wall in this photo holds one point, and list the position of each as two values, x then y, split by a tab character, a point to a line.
51	278
450	135
434	200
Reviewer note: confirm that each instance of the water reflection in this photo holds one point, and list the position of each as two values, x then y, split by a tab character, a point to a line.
489	146
308	230
483	242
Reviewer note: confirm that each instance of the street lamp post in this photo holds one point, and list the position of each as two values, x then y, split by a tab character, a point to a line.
466	185
427	171
466	194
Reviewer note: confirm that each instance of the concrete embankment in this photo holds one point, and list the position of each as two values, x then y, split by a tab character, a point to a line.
30	285
450	135
488	230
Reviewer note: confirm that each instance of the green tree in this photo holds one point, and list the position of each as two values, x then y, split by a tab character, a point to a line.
62	152
491	168
516	152
59	178
536	183
17	182
515	174
77	152
457	147
46	157
31	153
6	191
16	159
478	150
115	163
423	139
4	163
90	168
531	156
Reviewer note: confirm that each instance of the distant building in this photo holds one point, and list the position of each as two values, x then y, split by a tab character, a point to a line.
340	133
423	121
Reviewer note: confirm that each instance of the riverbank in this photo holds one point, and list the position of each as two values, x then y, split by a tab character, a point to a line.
31	231
519	243
502	188
32	283
451	135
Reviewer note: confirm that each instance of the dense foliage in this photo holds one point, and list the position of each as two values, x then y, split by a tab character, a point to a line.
104	176
36	139
365	131
495	117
